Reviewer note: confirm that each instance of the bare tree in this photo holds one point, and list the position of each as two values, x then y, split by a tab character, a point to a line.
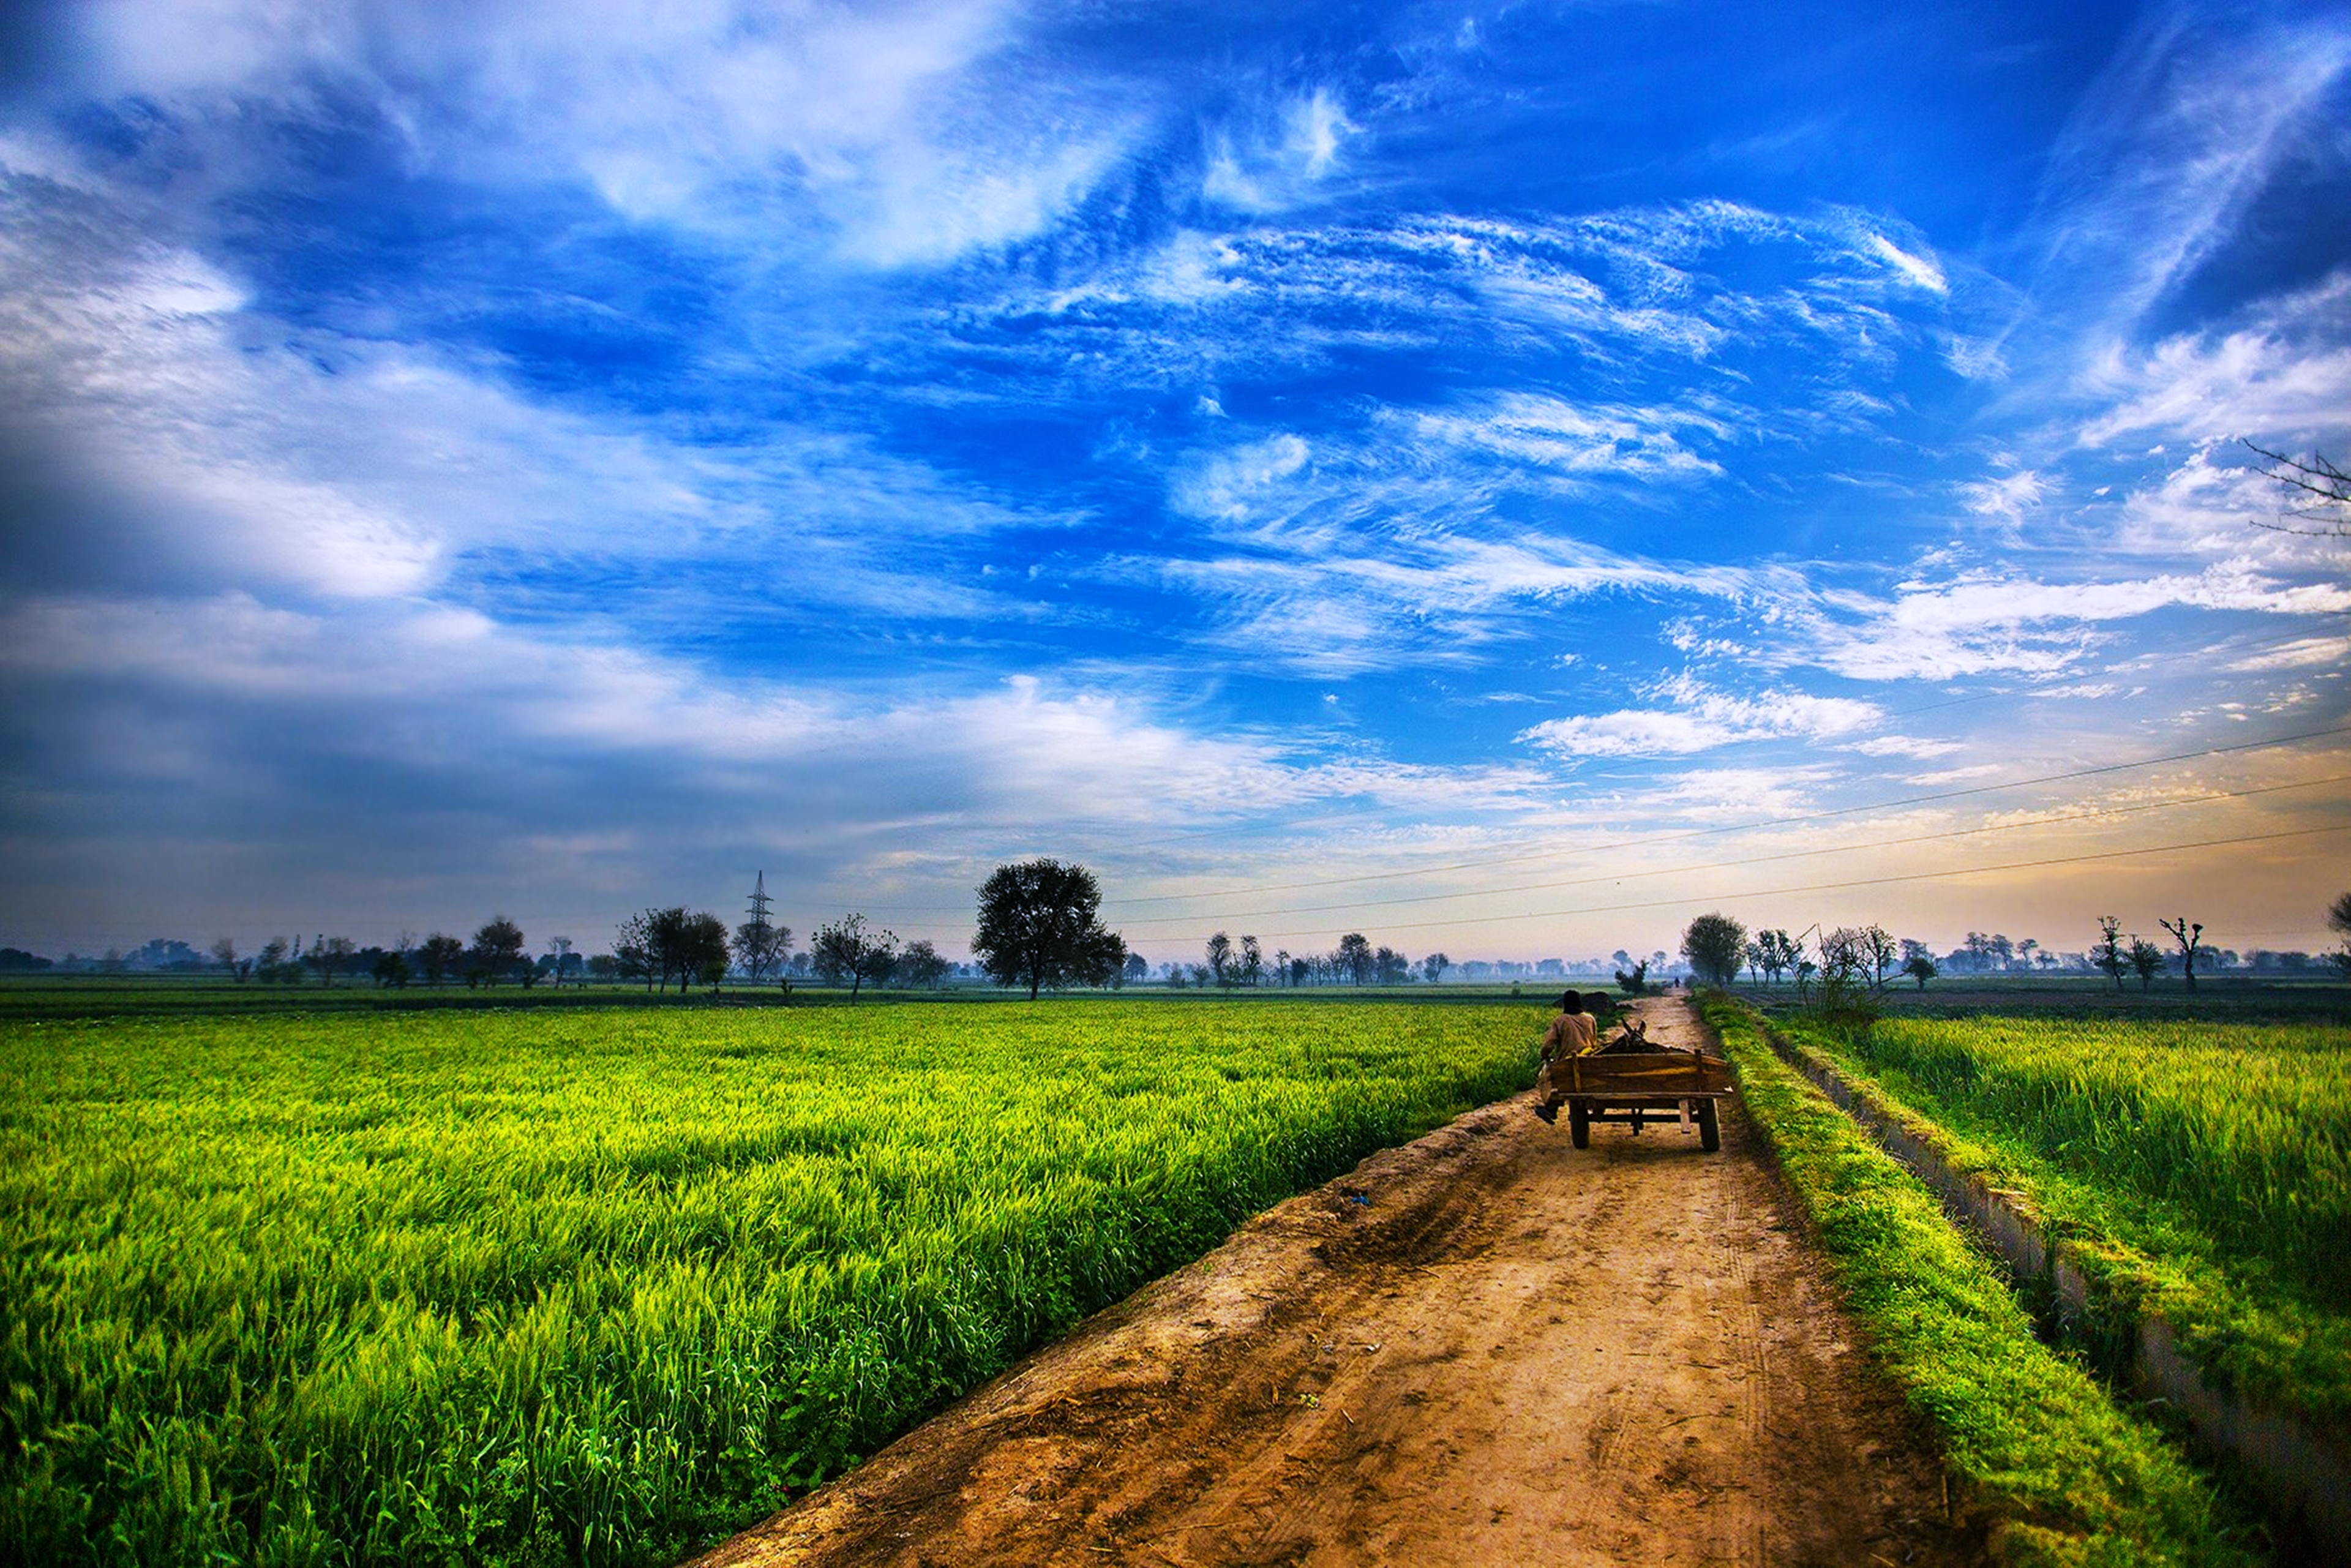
1877	947
2338	920
2110	954
2321	493
224	952
2187	939
850	947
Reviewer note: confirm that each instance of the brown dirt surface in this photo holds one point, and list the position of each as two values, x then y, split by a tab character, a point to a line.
1484	1348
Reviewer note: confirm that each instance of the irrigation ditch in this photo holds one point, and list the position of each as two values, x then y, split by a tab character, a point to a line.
2304	1472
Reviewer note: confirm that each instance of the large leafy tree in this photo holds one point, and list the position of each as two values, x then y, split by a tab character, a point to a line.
1715	945
497	946
1039	928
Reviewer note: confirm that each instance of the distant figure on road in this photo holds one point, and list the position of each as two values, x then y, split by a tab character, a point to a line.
1574	1033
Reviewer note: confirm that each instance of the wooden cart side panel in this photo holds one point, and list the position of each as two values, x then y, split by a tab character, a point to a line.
1662	1073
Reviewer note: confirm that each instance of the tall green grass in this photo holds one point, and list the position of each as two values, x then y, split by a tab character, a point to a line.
2199	1169
534	1287
2071	1478
2245	1128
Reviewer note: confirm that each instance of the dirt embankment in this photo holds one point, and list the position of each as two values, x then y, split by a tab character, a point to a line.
1486	1347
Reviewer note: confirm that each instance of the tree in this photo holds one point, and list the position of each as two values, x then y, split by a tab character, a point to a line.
392	969
2187	938
1038	928
440	954
1714	944
224	952
1920	966
1354	958
2147	958
1138	969
851	949
2338	920
920	964
632	948
1252	961
689	944
498	946
760	945
1878	949
2110	954
1777	951
2320	491
1220	957
559	950
1433	968
702	952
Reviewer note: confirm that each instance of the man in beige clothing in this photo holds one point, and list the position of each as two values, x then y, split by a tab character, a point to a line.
1574	1033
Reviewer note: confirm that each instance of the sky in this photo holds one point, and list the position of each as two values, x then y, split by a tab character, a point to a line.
1502	479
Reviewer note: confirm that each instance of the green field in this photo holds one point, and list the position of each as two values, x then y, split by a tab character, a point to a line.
555	1284
2201	1167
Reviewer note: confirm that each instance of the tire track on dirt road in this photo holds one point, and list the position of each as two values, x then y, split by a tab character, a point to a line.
1484	1348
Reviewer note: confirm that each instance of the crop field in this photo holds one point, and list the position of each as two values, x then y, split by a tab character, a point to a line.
2205	1163
556	1285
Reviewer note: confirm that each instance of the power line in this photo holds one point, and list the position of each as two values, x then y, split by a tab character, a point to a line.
1745	827
2050	821
1862	882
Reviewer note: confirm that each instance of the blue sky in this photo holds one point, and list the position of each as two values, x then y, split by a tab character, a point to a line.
1503	478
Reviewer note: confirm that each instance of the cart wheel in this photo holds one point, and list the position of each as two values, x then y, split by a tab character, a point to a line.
1579	1124
1710	1126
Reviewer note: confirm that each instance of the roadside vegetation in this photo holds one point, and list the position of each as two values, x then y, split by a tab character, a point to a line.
2199	1169
535	1287
2071	1477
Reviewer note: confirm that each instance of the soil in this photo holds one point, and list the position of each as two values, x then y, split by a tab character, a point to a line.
1485	1347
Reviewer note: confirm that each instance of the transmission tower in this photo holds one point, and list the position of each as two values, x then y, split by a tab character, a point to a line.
759	902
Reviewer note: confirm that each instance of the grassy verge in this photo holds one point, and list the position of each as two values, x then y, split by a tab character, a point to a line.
2189	1170
2072	1479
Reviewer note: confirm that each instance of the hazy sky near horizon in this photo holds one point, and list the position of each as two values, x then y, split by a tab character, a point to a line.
1503	478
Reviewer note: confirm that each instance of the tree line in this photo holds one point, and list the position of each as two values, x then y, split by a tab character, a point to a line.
1719	946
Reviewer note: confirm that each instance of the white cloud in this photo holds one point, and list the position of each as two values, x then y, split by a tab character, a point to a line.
1548	432
1990	624
2006	498
2174	141
2285	378
911	130
2302	654
1906	745
1920	271
1701	720
1227	487
1279	159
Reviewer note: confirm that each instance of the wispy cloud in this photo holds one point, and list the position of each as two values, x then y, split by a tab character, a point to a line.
1697	719
2175	140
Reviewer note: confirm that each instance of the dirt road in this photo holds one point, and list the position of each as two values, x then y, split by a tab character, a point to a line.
1486	1347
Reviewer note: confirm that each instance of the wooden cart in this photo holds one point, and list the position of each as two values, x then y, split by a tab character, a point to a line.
1644	1086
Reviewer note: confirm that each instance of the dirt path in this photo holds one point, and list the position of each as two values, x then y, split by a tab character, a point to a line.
1486	1347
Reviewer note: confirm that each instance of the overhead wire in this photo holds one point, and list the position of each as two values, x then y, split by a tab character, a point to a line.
1949	875
2043	822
